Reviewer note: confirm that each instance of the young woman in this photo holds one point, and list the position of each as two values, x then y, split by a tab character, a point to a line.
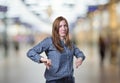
60	52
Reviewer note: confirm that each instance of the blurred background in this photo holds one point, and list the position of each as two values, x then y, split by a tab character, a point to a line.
94	28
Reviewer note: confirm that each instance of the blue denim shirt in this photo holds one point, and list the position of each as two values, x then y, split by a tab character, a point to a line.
62	63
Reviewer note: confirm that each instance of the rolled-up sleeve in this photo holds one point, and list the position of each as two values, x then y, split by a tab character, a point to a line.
34	53
78	53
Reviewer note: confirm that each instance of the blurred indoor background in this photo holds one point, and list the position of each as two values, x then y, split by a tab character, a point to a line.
94	27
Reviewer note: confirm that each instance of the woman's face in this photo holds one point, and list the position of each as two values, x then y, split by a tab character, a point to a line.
62	29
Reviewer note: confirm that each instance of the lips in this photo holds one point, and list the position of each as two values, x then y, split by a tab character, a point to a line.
63	32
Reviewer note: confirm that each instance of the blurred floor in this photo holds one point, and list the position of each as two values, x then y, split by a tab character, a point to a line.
17	68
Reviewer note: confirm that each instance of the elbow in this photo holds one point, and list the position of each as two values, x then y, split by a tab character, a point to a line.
83	58
29	53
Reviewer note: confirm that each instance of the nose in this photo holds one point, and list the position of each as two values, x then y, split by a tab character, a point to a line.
63	27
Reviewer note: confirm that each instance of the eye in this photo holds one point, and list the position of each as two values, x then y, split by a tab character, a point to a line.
60	26
65	25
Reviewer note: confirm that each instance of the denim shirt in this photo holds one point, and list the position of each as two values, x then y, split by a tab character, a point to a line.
62	62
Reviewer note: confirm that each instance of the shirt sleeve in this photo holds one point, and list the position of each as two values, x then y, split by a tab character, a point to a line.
34	53
78	53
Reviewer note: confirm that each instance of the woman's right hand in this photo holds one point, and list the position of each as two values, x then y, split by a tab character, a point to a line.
47	62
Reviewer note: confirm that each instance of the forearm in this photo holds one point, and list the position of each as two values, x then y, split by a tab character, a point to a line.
34	56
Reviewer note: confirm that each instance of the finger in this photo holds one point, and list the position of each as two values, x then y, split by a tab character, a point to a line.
78	61
78	64
47	66
49	62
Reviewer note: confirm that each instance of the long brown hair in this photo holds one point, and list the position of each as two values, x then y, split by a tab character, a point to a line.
55	35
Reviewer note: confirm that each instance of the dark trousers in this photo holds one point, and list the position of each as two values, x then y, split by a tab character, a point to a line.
63	80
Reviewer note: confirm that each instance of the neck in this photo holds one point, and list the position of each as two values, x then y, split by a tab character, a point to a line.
62	38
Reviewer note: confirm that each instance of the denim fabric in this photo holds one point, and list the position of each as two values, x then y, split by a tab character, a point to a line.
69	79
62	63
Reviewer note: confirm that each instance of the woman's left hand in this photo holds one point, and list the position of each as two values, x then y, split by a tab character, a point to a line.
78	62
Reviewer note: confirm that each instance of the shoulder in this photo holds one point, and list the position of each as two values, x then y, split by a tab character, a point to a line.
47	40
73	45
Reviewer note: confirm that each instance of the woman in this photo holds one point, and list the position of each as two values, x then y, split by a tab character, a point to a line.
59	51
